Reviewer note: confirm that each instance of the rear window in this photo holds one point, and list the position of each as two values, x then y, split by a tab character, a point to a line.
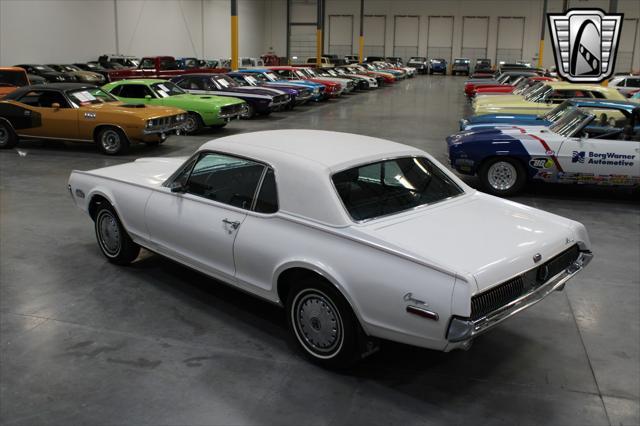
13	78
392	186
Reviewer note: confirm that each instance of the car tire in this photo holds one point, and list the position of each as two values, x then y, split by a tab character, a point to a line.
251	112
8	137
502	176
193	123
112	141
322	324
114	241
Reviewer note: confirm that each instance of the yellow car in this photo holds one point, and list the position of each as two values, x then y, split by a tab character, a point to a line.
84	113
542	98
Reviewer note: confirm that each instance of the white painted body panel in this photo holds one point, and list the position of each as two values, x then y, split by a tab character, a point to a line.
442	254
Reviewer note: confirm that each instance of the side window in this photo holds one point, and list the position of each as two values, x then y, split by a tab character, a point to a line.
633	82
267	201
44	99
148	64
597	95
226	179
136	91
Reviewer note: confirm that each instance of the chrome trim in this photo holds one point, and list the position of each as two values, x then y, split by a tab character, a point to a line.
527	300
175	126
54	138
421	312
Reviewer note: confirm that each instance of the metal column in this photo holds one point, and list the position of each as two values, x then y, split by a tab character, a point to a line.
361	41
544	24
319	35
234	34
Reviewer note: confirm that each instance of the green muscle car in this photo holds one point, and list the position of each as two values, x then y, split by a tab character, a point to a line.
203	110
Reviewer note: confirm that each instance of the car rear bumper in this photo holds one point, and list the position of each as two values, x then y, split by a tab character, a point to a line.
462	331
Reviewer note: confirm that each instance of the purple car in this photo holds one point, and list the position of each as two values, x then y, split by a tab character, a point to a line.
299	95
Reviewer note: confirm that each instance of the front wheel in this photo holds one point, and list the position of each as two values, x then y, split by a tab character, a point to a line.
193	123
503	177
113	240
323	324
112	141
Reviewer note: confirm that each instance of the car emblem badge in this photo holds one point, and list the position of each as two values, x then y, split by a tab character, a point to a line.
537	257
409	298
585	43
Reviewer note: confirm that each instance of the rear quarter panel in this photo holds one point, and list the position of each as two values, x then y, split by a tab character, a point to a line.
374	281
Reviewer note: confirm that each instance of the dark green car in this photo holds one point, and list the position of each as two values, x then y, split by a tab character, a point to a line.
203	110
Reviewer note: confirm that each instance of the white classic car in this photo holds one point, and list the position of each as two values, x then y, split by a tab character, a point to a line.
359	238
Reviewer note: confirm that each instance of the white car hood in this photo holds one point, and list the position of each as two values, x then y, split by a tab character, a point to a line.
480	235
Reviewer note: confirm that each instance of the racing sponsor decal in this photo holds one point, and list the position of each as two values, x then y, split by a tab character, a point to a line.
541	163
603	158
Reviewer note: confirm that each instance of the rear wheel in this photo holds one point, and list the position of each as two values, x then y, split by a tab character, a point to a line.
502	176
112	141
8	138
323	324
113	240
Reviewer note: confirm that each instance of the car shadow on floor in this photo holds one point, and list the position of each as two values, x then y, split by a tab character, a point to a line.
198	291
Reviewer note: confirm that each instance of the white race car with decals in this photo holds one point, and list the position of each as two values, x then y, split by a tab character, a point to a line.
571	150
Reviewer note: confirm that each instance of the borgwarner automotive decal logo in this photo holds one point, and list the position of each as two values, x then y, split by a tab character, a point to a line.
577	157
585	43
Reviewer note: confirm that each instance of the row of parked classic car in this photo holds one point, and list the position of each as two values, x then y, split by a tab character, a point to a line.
526	126
147	103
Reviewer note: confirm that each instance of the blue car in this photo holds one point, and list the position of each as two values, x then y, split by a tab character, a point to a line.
487	121
270	76
592	142
438	65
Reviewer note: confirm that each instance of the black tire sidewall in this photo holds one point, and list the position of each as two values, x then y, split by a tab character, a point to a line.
521	179
198	123
347	353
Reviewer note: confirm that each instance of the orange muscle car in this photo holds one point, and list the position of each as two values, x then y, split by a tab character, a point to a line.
86	113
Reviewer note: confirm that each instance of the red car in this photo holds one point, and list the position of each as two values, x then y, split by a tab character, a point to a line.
163	67
506	89
293	73
506	78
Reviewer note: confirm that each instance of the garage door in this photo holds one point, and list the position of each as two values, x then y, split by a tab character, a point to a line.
628	45
440	37
340	35
405	36
510	39
302	42
475	35
374	34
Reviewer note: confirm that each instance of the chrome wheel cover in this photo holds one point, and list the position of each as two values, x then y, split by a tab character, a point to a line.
317	323
4	136
502	175
111	141
108	232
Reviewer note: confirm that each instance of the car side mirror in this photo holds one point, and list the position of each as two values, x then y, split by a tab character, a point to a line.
55	106
178	187
147	97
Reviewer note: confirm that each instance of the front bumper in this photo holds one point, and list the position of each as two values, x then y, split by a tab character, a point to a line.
462	331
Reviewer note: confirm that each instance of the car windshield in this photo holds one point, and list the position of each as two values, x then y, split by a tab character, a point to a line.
310	72
572	123
418	59
300	73
392	186
503	78
437	61
166	89
44	68
13	78
537	94
558	112
90	96
461	61
168	64
225	81
270	76
252	80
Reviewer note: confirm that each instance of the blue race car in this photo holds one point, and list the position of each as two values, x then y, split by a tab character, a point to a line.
438	65
486	121
597	144
270	76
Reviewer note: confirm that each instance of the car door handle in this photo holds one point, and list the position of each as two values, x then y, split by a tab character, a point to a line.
234	224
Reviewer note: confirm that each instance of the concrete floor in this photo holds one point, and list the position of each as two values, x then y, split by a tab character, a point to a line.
86	342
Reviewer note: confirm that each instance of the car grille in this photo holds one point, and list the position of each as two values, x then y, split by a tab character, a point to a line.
234	109
164	121
304	93
280	98
495	298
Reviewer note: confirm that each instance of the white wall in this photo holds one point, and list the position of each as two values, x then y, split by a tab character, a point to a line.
45	31
531	10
